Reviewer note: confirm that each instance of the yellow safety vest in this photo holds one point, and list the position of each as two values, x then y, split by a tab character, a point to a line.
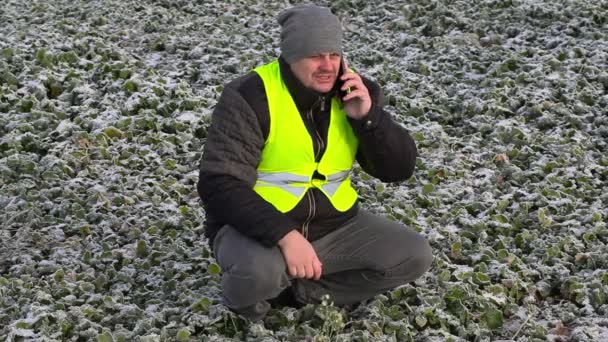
288	159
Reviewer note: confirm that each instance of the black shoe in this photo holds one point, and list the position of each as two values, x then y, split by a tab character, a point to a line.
285	298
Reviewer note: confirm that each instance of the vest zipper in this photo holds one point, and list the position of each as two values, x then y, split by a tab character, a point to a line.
312	206
317	137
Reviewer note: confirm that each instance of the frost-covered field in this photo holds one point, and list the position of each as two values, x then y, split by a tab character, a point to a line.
104	108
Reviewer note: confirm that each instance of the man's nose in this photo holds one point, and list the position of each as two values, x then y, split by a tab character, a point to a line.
326	62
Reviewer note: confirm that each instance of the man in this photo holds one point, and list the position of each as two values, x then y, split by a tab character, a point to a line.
282	215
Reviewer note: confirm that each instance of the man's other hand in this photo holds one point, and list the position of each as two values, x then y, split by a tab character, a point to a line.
300	256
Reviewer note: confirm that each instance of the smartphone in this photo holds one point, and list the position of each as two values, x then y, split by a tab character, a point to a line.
345	70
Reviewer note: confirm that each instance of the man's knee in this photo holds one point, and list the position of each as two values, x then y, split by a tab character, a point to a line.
411	260
397	251
253	280
421	259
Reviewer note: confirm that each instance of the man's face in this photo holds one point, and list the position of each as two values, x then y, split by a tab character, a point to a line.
318	72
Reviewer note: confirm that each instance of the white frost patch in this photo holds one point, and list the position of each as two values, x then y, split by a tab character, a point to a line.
450	228
36	87
30	319
65	126
98	188
105	119
463	269
22	333
133	101
198	51
85	89
469	76
153	60
188	116
182	267
481	175
499	299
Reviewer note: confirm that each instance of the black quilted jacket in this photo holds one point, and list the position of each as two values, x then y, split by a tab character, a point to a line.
240	124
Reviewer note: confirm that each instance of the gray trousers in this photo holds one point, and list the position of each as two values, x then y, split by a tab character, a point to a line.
367	256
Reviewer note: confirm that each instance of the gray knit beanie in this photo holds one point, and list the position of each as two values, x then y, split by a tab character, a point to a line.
307	30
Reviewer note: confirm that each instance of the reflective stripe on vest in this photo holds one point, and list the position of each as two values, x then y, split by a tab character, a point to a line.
287	181
334	181
288	159
284	181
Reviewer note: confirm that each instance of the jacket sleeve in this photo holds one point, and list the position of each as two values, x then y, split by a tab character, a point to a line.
228	172
386	149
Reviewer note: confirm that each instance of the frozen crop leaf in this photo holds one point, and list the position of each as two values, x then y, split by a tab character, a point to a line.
183	335
54	89
113	132
493	318
599	297
131	86
214	269
8	78
142	249
202	305
543	218
428	188
481	278
69	57
59	275
421	321
105	337
7	53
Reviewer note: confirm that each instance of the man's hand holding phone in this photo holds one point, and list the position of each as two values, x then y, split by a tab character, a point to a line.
357	101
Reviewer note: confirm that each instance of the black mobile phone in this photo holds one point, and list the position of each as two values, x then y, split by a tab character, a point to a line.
344	66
